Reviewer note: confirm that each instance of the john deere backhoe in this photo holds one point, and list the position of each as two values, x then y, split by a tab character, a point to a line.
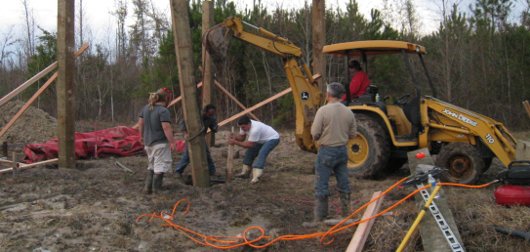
464	141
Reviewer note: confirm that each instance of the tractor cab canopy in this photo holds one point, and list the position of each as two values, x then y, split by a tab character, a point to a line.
372	47
365	48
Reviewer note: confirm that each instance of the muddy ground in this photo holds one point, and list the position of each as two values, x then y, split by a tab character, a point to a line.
94	207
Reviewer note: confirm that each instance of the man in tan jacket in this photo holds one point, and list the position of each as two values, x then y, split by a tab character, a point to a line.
333	126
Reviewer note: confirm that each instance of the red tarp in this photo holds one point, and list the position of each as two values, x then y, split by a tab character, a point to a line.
118	141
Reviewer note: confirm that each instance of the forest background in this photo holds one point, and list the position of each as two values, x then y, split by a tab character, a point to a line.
478	58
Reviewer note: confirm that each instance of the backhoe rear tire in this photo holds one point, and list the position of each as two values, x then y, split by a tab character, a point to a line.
463	162
369	152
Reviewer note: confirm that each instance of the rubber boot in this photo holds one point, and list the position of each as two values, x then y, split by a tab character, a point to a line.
345	203
148	187
321	208
157	182
256	174
245	172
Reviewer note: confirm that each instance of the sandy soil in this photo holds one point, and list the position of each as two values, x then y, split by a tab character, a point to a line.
34	125
94	208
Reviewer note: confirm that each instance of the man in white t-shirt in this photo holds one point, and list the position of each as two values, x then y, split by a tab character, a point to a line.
262	139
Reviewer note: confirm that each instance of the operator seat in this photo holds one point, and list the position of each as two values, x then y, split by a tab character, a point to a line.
412	112
369	98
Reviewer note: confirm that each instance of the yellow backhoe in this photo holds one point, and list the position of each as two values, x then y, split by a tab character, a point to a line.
465	142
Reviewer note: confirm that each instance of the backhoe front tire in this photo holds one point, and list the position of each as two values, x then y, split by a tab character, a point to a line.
463	162
369	152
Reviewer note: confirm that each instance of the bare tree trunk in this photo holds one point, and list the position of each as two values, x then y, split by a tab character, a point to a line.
446	67
269	81
100	102
30	29
111	95
80	22
318	20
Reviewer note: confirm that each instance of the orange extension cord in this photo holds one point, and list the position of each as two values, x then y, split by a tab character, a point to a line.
231	242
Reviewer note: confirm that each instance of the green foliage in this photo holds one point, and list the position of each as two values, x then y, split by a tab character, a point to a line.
45	55
46	52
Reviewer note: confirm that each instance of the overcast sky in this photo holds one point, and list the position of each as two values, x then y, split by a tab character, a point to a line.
102	25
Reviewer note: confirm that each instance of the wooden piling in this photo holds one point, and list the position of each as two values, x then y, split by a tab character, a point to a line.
207	71
183	49
65	82
431	235
4	149
230	160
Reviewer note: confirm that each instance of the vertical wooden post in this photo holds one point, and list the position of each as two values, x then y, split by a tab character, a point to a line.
4	149
318	21
65	83
207	73
230	160
431	236
14	161
188	90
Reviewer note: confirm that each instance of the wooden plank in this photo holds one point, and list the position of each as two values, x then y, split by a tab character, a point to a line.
21	166
361	233
5	161
257	106
178	99
230	161
188	90
27	104
227	93
431	235
45	162
35	78
122	166
526	105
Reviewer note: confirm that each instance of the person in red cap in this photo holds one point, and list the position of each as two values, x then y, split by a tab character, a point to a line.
157	136
359	82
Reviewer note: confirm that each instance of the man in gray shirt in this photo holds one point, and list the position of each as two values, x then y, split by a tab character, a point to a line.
333	126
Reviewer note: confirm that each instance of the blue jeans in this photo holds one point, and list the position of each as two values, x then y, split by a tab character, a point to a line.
331	159
261	151
185	160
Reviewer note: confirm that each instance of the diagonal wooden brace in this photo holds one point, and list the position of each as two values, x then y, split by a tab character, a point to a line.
227	93
258	105
36	77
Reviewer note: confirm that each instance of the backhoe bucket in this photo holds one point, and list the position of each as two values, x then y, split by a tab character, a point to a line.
217	40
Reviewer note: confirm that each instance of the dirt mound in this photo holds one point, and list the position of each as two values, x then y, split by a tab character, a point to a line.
35	125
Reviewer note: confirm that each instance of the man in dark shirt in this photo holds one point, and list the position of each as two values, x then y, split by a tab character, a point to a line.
209	121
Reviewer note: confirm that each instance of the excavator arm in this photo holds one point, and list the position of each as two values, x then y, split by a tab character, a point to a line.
306	93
